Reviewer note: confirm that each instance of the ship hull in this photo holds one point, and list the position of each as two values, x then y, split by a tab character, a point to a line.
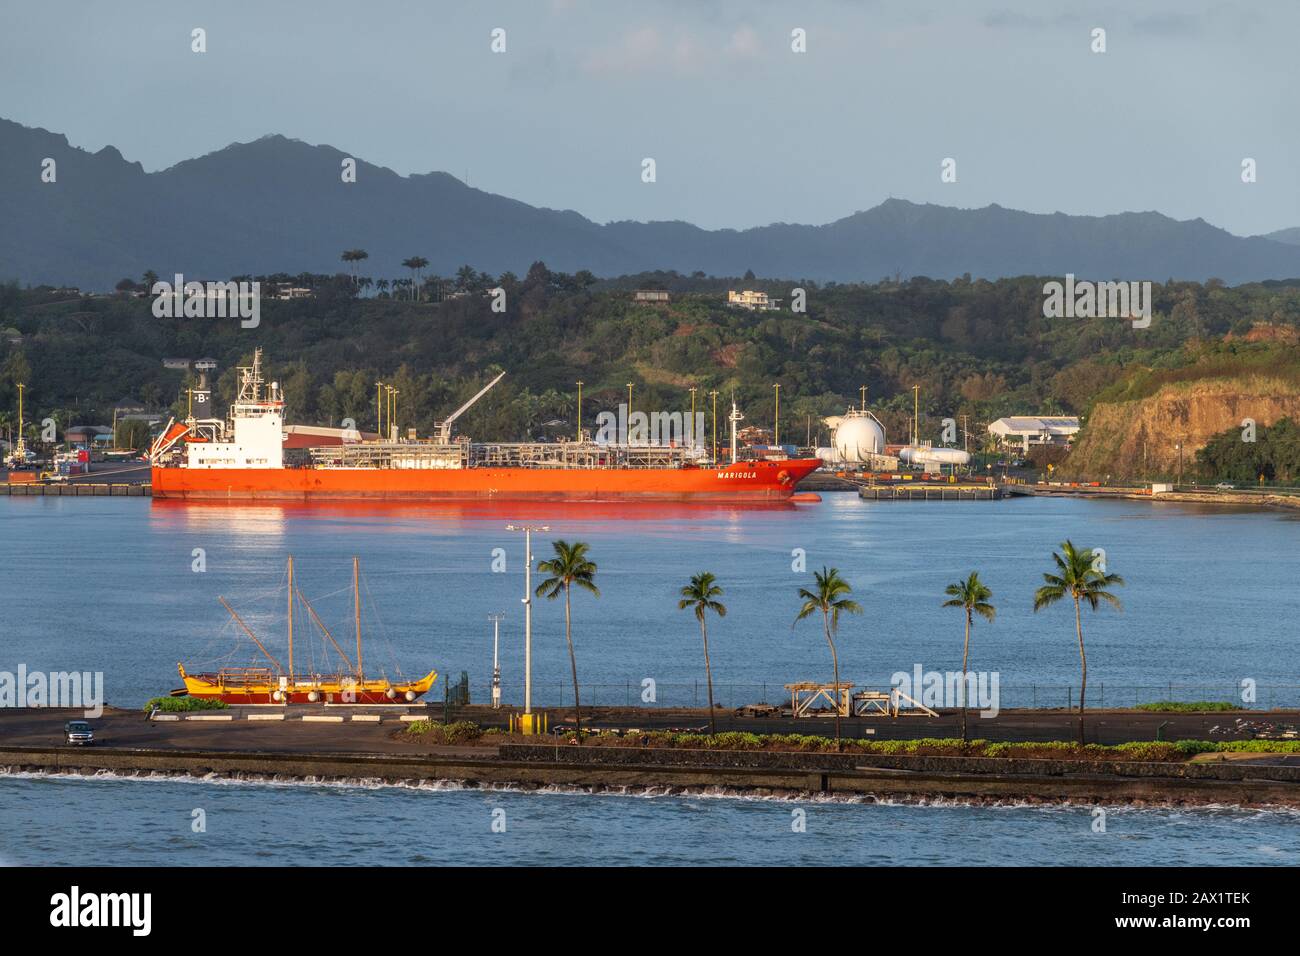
236	697
745	481
234	690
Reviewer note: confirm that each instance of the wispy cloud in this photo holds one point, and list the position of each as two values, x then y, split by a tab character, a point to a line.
649	49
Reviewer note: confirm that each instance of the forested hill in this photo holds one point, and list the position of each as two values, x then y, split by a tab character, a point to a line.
281	204
976	348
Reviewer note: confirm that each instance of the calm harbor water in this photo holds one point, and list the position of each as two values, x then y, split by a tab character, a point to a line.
106	821
110	585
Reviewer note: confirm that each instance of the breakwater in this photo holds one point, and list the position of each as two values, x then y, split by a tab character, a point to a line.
1252	782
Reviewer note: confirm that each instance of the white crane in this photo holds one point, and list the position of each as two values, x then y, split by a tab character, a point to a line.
443	428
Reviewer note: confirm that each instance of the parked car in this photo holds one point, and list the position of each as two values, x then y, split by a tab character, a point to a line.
1225	486
78	733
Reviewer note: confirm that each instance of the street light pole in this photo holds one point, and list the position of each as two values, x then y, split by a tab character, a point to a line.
695	439
776	421
579	409
528	609
714	394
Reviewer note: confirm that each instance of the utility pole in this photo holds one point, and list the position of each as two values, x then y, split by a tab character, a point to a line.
496	620
528	617
916	416
714	394
579	409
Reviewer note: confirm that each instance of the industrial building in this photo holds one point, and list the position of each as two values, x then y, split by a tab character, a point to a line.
1027	430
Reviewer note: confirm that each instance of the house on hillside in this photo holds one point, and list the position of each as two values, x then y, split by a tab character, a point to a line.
752	300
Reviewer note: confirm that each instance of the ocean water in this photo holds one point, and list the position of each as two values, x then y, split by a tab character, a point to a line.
92	821
113	585
109	585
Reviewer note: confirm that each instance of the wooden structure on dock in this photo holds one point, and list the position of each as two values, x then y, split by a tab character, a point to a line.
805	694
868	702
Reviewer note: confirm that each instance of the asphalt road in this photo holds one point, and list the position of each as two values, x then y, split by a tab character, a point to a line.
129	728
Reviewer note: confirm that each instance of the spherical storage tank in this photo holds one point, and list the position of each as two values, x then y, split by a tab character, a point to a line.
858	437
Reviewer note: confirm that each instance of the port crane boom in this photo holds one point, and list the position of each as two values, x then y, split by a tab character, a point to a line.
444	426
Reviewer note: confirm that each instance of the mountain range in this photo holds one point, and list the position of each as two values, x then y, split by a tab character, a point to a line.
280	205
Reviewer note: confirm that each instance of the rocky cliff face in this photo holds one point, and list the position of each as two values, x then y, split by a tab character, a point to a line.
1141	438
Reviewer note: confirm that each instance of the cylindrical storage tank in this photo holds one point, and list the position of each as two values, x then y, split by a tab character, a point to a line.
934	456
858	438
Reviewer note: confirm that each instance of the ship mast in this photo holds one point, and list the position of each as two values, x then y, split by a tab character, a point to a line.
734	417
291	618
356	609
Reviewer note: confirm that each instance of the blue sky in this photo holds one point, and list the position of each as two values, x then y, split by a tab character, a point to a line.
743	130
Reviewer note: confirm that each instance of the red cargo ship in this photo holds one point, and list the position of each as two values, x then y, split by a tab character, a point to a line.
243	458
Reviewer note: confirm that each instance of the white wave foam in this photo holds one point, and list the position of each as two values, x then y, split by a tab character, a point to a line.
1171	813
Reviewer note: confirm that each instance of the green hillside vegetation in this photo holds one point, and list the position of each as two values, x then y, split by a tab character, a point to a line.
976	348
1274	454
1201	361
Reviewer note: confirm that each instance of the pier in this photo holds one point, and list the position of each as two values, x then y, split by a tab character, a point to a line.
75	488
929	492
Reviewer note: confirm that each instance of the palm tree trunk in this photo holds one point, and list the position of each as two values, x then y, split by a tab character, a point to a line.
965	652
1083	659
835	663
573	665
708	674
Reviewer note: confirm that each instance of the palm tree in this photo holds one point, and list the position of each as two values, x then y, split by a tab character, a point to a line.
569	567
700	594
1077	576
972	595
354	256
828	598
415	264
